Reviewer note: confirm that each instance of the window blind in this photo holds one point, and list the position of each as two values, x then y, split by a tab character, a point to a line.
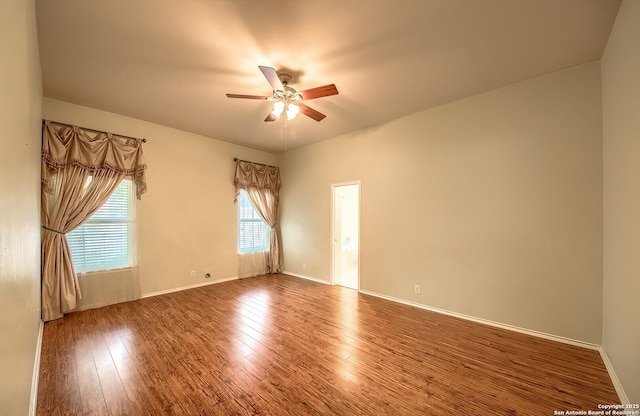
104	241
253	233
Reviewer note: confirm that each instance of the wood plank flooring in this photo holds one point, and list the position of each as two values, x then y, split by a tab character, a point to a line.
279	345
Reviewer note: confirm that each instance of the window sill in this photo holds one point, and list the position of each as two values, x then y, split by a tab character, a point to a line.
106	271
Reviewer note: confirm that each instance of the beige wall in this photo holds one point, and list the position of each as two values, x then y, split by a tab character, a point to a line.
621	147
187	219
493	204
20	103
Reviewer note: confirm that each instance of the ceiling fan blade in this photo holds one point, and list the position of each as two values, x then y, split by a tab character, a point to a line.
310	112
251	97
270	117
272	76
318	92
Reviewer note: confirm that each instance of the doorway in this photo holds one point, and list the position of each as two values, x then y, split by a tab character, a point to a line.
346	234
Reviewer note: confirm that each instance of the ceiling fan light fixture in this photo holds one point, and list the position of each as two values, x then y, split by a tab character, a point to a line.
292	111
278	106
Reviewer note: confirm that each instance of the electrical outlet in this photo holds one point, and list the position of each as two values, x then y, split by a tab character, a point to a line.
193	273
416	288
304	266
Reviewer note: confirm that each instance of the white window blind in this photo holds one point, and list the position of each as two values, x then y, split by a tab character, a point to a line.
253	233
104	241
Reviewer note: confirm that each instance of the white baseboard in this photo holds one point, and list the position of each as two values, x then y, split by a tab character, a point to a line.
33	398
302	276
614	377
514	328
181	288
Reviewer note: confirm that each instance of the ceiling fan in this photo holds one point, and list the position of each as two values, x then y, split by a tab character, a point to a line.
286	99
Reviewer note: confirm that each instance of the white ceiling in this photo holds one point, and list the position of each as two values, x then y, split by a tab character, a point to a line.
171	62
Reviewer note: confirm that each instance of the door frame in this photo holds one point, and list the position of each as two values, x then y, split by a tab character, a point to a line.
332	226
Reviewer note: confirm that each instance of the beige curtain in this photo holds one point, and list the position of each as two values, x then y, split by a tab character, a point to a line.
262	185
253	264
70	156
108	287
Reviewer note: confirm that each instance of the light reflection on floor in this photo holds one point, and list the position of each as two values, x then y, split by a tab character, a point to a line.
348	334
252	318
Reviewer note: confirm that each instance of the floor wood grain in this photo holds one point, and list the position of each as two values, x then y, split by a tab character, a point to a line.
279	345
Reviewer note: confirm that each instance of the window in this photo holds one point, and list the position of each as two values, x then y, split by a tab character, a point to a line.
253	233
104	241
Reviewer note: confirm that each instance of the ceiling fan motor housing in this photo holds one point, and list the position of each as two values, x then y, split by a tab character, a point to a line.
285	78
287	94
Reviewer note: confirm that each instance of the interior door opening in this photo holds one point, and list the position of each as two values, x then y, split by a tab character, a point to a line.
346	235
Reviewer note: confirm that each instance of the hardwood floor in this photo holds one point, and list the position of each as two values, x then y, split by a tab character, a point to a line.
282	345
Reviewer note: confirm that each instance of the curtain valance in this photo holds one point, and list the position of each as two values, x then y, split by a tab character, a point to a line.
256	175
64	146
